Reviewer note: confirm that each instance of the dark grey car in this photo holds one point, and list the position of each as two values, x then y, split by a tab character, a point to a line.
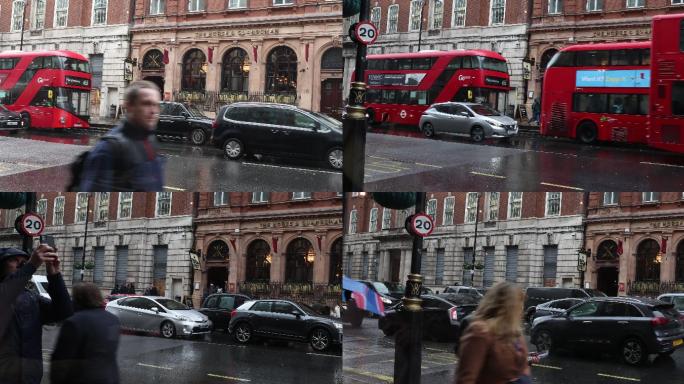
183	120
10	121
467	119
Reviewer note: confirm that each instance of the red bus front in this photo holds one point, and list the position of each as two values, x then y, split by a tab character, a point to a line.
597	92
49	89
402	86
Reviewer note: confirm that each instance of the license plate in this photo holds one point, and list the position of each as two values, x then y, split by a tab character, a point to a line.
677	342
12	123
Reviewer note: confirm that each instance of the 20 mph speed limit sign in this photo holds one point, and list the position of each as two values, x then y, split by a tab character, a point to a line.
420	224
364	32
30	224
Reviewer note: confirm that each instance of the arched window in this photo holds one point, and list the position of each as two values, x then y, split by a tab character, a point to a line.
194	71
281	70
300	260
607	251
336	262
648	267
153	60
332	60
218	250
258	261
545	58
235	73
679	266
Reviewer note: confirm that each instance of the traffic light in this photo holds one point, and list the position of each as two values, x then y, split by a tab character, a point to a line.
11	200
351	7
395	200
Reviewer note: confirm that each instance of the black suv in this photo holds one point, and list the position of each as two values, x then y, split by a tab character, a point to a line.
280	130
182	120
632	327
219	306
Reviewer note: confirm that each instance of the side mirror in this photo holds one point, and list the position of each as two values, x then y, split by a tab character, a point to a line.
155	309
466	114
185	115
296	313
316	126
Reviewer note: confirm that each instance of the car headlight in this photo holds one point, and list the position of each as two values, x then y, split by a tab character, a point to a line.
386	300
495	123
338	325
182	318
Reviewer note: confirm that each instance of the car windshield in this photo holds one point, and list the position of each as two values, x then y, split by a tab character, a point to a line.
309	311
484	110
195	112
172	305
595	293
328	119
381	288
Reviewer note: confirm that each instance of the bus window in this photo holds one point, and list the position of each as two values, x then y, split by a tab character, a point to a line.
422	63
628	104
681	35
645	56
391	64
8	63
404	63
419	98
372	96
389	97
375	64
470	62
493	64
590	102
624	57
592	58
42	98
678	97
455	63
562	59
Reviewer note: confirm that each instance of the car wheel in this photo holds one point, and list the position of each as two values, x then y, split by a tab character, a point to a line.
198	136
477	134
428	130
242	333
335	158
320	339
634	352
544	341
233	148
26	120
586	132
168	330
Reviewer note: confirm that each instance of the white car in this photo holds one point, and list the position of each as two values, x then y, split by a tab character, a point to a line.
674	298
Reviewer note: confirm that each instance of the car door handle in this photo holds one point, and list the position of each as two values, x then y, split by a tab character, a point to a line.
586	322
623	322
275	130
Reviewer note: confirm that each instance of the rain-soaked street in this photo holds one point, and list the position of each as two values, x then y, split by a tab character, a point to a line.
401	159
39	161
369	359
213	359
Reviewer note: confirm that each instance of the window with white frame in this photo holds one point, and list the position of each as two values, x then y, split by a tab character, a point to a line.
373	220
58	214
677	2
61	13
610	198
38	14
555	7
515	205
459	15
431	209
157	7
17	15
195	5
635	3
386	218
437	14
102	206
41	209
81	207
650	197
376	16
553	203
392	18
471	207
353	217
99	12
493	206
301	195
163	204
237	4
448	215
220	198
125	205
259	197
401	218
594	5
282	2
415	14
498	12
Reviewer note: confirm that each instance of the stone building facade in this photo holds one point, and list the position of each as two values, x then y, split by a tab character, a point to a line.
636	241
531	238
139	238
96	29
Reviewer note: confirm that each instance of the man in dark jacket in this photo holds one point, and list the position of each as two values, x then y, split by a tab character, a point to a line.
21	350
88	341
126	158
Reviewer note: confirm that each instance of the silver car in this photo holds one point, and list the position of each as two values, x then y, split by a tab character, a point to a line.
468	119
159	315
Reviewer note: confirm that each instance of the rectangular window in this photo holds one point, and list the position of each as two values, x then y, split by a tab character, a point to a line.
41	209
590	102
125	205
431	209
163	204
121	265
610	198
650	197
498	11
471	207
594	5
625	57
353	218
373	221
488	273
415	15
437	16
678	91
635	3
624	104
448	216
102	206
17	15
553	203
160	256
195	5
401	217
550	263
157	7
386	218
301	195
515	205
493	206
99	12
81	207
237	4
58	216
98	273
282	2
512	264
592	58
439	267
78	259
38	15
61	13
259	197
375	16
468	259
555	7
459	15
220	198
676	2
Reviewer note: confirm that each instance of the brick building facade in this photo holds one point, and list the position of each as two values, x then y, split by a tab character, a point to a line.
96	29
531	238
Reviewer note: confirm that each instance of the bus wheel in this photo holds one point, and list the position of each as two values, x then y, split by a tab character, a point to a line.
428	130
26	120
586	132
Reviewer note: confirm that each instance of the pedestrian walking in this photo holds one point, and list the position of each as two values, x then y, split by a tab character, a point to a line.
154	291
25	312
536	110
88	341
493	349
126	159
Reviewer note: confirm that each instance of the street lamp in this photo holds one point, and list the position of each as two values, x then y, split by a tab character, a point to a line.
85	235
23	17
472	260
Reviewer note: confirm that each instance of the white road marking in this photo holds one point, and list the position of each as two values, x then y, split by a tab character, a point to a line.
661	164
174	188
228	377
487	174
562	186
321	354
618	377
292	168
154	366
547	366
428	165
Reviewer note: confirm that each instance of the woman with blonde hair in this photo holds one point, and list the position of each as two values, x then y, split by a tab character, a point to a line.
493	349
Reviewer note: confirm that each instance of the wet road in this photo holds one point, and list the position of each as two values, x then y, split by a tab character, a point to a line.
369	359
37	161
215	359
401	160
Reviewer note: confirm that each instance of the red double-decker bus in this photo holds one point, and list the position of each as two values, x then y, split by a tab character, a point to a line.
402	86
50	89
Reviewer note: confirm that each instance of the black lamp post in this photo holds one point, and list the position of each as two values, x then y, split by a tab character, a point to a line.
477	218
23	17
85	236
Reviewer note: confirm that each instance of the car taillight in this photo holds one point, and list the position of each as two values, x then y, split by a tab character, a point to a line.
233	313
658	321
214	124
453	313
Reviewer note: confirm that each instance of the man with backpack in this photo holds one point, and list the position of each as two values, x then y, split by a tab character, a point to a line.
125	159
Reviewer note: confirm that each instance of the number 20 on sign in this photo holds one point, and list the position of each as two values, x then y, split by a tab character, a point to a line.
364	32
420	225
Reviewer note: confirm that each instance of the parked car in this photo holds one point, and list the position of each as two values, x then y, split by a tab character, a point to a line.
285	320
632	327
441	316
553	307
117	296
183	120
397	290
677	299
218	308
462	289
277	129
539	295
467	119
157	314
349	312
10	121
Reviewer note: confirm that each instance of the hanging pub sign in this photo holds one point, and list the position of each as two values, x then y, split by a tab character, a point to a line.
128	70
194	258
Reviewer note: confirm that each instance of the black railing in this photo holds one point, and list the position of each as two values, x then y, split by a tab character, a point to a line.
213	101
653	288
307	293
